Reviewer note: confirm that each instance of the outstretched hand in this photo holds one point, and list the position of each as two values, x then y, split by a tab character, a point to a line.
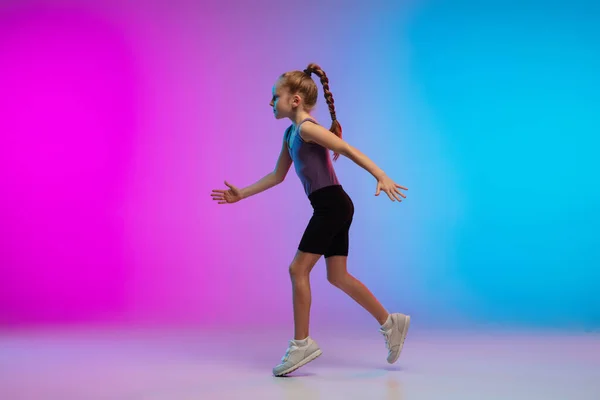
390	187
232	195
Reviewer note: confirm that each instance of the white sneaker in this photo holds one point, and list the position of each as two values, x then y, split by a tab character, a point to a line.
394	331
296	356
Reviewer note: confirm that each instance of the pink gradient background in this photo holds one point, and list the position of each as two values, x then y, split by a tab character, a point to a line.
119	121
118	118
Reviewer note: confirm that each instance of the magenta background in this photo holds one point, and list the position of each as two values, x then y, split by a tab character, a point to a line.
118	118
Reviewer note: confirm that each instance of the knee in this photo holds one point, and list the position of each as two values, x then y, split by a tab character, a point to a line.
297	271
339	279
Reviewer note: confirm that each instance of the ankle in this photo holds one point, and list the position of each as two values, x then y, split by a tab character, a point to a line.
385	320
301	342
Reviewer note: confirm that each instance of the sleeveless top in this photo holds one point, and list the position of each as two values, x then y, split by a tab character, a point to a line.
311	160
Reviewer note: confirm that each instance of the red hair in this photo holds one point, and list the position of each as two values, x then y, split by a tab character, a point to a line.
302	83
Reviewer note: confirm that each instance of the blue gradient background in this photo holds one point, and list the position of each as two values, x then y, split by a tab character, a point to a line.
487	111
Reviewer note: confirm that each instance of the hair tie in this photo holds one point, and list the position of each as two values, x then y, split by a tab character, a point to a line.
307	72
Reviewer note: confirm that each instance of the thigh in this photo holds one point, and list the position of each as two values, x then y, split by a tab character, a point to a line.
340	243
328	228
319	234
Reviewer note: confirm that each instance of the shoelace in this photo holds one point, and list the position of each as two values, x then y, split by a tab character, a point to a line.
288	351
386	335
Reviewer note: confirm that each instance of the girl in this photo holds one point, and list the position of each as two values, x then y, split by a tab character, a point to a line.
306	144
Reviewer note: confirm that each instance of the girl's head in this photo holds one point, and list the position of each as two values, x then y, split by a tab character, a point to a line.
296	91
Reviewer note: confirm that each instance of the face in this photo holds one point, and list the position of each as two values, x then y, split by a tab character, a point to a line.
282	102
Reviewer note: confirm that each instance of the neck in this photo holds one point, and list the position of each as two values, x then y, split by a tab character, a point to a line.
299	117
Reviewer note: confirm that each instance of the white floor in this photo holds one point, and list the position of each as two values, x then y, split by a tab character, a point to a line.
205	365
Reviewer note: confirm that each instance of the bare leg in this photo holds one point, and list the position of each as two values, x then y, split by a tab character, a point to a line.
299	273
338	276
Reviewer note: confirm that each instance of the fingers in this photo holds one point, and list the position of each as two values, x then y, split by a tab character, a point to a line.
222	196
218	196
399	192
389	193
392	189
393	194
220	200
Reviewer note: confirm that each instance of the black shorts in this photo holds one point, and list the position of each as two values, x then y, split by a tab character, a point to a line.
327	232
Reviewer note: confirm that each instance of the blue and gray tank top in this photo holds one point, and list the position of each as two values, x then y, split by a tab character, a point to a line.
311	160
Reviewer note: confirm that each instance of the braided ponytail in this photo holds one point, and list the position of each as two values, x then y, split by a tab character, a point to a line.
336	128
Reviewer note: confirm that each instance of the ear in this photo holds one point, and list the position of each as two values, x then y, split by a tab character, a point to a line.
296	100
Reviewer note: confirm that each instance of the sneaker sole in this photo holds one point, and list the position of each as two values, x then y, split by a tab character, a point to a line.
404	333
301	363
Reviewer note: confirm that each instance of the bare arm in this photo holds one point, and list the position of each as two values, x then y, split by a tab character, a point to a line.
273	178
325	138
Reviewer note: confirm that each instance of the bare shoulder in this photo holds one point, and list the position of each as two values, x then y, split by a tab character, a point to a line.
320	135
287	133
311	128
